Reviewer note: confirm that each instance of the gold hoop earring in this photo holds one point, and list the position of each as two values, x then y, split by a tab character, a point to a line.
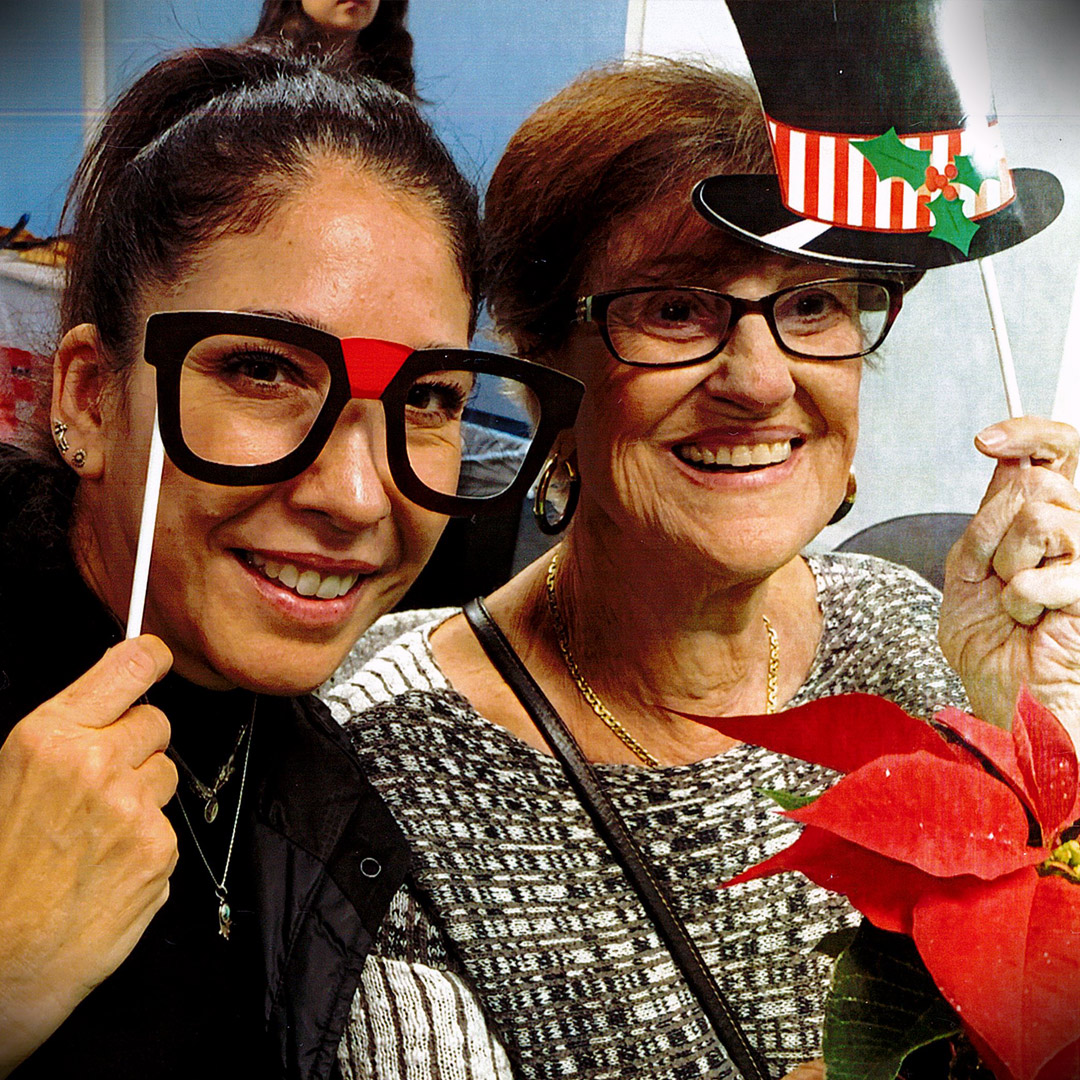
844	508
556	495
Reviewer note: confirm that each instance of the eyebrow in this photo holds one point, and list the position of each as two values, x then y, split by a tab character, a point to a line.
317	324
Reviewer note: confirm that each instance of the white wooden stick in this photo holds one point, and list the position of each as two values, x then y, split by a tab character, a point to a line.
1001	337
146	532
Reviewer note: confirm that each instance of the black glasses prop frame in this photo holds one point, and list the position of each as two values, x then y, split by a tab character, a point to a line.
353	368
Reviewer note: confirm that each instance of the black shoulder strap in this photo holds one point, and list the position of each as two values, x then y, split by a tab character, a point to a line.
613	829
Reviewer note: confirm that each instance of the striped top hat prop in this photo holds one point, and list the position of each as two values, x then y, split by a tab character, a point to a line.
884	135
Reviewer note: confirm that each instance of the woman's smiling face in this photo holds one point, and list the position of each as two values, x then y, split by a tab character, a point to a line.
739	460
234	569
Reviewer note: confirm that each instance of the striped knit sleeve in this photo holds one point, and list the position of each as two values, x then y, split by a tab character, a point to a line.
413	1022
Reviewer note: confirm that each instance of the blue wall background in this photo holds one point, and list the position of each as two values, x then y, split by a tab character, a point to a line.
481	64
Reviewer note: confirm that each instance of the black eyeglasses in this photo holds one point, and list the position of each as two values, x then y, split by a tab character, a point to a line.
656	326
251	399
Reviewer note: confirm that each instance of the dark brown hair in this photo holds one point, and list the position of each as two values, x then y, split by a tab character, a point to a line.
209	142
382	50
612	142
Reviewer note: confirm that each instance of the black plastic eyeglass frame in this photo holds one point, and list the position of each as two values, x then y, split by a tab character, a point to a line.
595	308
170	335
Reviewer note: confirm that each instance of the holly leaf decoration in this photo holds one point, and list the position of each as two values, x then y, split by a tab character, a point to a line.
969	174
892	158
951	224
882	1006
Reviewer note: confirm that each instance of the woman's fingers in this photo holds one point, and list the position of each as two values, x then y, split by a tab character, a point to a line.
972	557
1039	533
1046	442
114	683
1054	587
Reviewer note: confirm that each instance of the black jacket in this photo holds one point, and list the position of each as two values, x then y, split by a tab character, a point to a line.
324	856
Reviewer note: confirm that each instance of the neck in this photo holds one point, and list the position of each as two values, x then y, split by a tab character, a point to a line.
657	633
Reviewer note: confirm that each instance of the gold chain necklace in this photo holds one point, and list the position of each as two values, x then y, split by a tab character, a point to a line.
592	698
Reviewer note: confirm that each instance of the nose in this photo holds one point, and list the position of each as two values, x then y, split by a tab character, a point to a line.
349	483
752	370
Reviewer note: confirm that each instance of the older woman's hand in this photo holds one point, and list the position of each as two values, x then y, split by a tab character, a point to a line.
85	851
810	1070
1011	610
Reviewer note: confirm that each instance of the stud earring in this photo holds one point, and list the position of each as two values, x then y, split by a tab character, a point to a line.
78	459
844	508
60	434
556	495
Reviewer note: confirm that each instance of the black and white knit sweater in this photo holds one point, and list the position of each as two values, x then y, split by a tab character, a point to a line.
518	939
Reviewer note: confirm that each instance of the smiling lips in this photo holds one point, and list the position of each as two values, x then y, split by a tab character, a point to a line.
303	581
737	456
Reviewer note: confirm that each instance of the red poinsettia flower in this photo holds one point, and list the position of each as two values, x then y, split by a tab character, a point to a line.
958	843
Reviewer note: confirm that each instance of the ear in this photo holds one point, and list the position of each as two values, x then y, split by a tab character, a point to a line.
80	375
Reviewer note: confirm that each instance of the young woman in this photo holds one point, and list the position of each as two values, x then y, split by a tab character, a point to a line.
281	264
367	37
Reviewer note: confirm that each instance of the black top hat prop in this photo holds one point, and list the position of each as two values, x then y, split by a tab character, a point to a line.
884	135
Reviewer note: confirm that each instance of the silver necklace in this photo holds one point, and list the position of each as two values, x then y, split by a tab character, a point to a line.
209	793
220	891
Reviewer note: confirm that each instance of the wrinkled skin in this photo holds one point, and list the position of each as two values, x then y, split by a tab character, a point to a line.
1011	609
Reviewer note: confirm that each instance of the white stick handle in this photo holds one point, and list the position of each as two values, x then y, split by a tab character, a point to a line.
1001	337
146	532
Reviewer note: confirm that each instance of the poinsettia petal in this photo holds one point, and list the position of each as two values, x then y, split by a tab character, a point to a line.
943	817
1064	1066
884	890
991	742
1004	955
1047	760
841	732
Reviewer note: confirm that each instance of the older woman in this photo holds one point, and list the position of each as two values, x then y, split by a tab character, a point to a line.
294	256
706	456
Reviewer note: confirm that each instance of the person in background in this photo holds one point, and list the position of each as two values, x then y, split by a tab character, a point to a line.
193	864
714	443
367	37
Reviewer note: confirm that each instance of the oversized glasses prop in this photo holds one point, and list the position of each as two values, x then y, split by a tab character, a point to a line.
251	399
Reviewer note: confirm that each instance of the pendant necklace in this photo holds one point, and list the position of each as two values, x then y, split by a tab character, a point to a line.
220	891
209	793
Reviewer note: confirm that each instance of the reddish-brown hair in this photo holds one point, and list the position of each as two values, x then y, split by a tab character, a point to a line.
612	142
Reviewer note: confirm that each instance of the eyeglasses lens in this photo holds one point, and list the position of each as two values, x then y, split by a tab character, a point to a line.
839	318
667	326
249	400
467	432
678	326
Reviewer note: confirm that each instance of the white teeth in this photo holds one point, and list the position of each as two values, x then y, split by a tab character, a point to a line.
739	456
328	587
309	582
304	582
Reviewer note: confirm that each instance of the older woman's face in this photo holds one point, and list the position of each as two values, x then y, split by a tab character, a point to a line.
646	436
358	260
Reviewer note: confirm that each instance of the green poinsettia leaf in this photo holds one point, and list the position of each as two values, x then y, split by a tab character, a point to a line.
969	174
836	941
951	224
882	1006
786	800
890	157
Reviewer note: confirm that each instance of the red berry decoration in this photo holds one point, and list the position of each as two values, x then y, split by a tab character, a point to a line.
950	171
949	192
